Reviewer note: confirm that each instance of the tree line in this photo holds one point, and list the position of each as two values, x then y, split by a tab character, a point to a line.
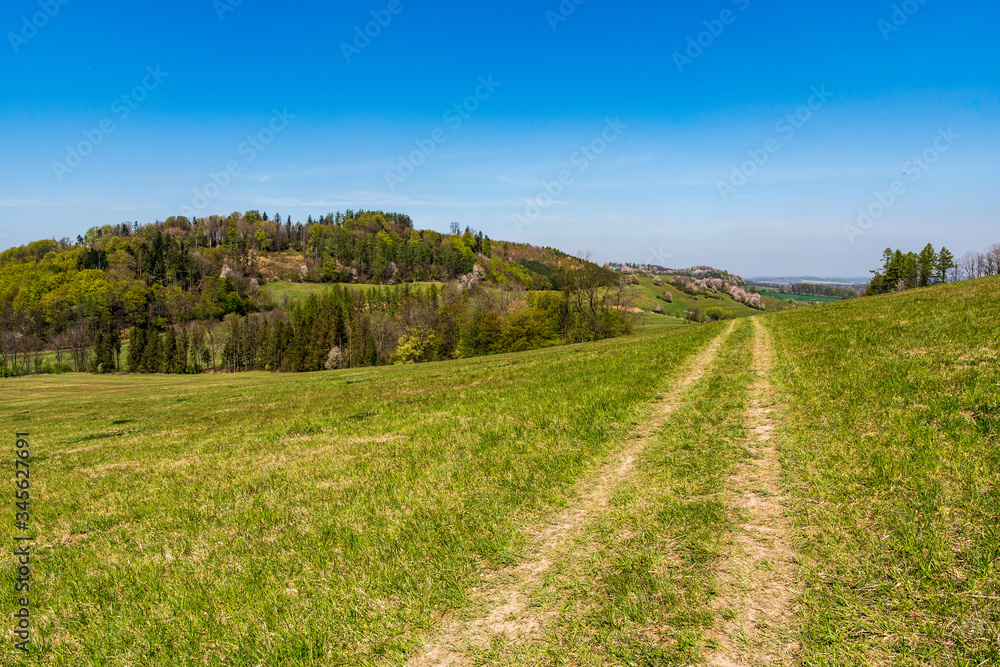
978	264
350	328
813	289
908	270
929	267
60	296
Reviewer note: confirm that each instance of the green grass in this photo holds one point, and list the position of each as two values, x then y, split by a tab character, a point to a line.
891	451
650	322
324	518
802	298
49	358
334	518
279	291
640	586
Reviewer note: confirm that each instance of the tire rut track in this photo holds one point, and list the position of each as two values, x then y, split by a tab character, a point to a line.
758	581
507	595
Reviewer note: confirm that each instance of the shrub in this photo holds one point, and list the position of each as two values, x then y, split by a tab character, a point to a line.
716	313
695	314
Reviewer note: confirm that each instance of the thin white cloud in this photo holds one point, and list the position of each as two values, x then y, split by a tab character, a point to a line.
114	203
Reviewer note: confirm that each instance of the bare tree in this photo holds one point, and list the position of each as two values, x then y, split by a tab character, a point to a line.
7	349
79	342
24	349
968	265
955	273
37	346
59	345
386	333
993	260
214	338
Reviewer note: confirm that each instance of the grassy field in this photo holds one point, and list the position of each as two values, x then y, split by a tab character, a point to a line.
303	519
891	454
802	298
638	585
348	517
279	291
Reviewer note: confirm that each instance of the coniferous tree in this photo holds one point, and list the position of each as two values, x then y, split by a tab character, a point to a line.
168	362
182	351
136	347
151	359
927	264
945	263
99	347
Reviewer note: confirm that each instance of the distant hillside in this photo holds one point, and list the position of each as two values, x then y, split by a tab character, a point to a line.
788	280
171	283
252	292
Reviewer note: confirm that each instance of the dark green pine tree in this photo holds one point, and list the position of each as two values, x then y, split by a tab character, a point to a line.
95	364
104	352
112	351
151	358
181	358
945	263
927	266
169	354
136	347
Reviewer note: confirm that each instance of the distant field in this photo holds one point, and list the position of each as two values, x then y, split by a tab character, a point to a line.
791	280
827	282
50	358
647	300
797	297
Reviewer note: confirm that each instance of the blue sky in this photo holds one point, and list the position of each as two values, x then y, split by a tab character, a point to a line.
655	150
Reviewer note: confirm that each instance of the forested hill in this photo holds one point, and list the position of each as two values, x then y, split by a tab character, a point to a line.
179	270
178	273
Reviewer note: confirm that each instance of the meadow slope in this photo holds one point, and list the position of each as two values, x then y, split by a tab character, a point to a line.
889	443
304	519
813	487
